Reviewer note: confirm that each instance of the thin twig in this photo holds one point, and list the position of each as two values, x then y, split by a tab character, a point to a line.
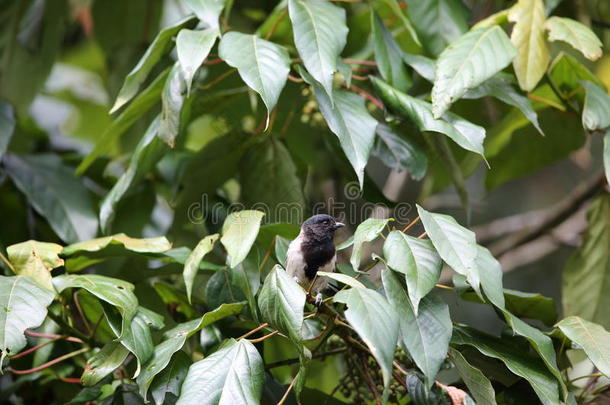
245	335
409	226
218	79
8	264
366	95
295	79
211	62
53	336
295	360
276	23
423	235
33	349
360	62
281	401
80	312
50	363
260	339
444	287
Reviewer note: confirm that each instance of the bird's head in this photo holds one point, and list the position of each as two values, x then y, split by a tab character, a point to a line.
321	226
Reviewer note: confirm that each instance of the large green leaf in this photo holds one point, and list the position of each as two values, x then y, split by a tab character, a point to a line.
281	302
388	55
367	231
597	104
468	62
479	385
424	335
566	74
172	99
191	266
192	48
153	54
134	111
207	11
171	378
417	260
594	340
104	362
143	159
175	338
234	374
525	305
7	125
501	87
117	293
82	254
464	133
576	34
23	305
489	273
263	65
239	233
586	278
269	178
607	155
376	322
455	244
517	361
320	35
438	22
348	118
529	38
399	153
36	260
69	212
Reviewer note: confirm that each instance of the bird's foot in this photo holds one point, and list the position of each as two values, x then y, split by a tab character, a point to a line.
318	301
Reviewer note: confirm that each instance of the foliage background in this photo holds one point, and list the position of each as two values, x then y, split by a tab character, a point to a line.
70	171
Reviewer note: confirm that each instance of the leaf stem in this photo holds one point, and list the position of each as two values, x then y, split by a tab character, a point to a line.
245	335
53	336
260	339
50	363
6	261
285	397
295	360
366	95
411	224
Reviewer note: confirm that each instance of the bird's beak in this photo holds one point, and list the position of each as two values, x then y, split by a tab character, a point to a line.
339	225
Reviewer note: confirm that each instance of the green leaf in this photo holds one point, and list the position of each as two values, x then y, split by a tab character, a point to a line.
567	74
136	338
191	266
367	231
221	287
172	100
489	273
376	322
343	278
597	104
171	378
424	66
500	87
478	384
69	213
281	249
320	34
578	35
438	22
517	361
269	178
468	62
7	125
146	155
234	374
207	11
175	338
104	362
134	111
525	305
192	48
417	260
528	37
239	233
586	277
83	254
36	260
593	339
399	153
281	302
406	22
263	65
348	118
464	133
116	292
23	305
455	244
388	55
425	335
153	54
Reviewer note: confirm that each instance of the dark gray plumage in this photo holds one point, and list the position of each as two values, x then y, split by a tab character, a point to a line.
312	251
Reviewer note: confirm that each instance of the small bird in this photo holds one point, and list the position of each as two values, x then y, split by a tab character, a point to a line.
312	251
